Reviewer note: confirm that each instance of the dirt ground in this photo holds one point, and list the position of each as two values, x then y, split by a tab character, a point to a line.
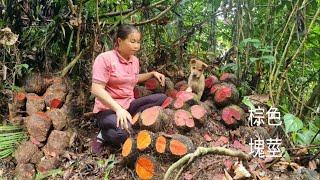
79	163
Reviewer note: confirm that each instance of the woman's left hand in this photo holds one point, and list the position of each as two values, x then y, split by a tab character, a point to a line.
160	77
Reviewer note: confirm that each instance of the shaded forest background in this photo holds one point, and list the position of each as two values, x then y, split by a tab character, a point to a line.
272	46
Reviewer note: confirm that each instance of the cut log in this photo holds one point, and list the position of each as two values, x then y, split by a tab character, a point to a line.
161	144
210	81
141	91
154	85
56	103
17	108
145	140
34	104
215	88
38	125
25	171
57	142
129	152
183	120
184	100
154	119
146	167
171	93
58	117
199	113
135	120
128	147
57	91
48	164
167	102
232	115
181	85
229	78
25	152
226	94
19	100
37	83
180	145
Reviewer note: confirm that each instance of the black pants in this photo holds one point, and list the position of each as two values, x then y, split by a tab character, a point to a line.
107	120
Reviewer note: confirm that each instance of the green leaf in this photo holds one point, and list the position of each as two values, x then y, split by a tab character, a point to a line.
285	154
255	42
305	137
253	59
111	162
265	50
268	59
292	123
247	102
317	122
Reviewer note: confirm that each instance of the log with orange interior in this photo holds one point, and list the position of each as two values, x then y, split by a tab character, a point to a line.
140	151
147	167
145	141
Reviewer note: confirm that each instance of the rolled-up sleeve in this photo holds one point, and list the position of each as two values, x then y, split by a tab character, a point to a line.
101	70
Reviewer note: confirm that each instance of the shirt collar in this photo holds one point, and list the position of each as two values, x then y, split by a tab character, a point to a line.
122	59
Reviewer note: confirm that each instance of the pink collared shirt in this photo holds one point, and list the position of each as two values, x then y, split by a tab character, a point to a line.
119	76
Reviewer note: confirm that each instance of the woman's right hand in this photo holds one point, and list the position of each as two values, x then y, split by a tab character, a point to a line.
123	118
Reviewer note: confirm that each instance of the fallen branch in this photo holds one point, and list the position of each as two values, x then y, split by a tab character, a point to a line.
187	159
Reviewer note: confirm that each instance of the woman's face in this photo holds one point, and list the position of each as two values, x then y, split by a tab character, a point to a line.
130	45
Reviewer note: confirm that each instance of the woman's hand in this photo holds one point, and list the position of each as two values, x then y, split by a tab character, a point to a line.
123	118
160	77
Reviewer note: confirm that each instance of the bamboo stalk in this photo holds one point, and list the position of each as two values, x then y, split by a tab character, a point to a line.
296	53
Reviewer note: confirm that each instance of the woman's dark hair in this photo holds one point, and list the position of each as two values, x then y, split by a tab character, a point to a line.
123	31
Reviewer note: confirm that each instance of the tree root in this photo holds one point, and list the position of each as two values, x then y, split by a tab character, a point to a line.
187	159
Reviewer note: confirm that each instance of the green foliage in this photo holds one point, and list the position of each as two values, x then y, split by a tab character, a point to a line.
247	102
292	123
10	137
53	172
110	165
302	133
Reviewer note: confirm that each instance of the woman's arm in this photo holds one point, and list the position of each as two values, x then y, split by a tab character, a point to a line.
145	76
99	91
123	116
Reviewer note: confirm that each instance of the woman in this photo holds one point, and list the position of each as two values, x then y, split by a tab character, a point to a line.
114	75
